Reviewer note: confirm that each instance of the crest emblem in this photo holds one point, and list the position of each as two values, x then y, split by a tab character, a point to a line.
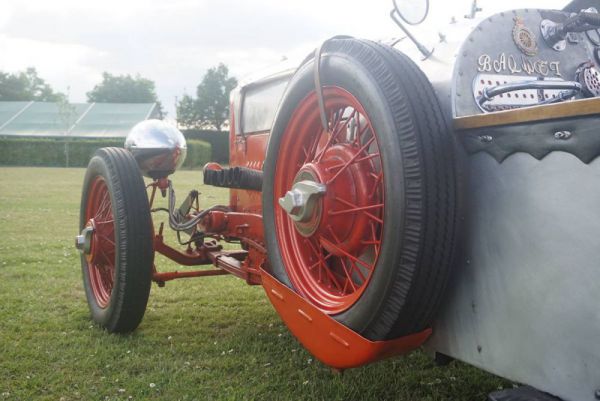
524	38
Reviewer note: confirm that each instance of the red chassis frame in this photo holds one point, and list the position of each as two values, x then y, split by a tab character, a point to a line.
244	263
329	341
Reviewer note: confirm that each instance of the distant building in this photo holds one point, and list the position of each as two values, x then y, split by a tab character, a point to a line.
78	120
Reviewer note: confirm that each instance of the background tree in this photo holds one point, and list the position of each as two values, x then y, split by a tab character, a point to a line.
187	112
210	109
124	89
27	86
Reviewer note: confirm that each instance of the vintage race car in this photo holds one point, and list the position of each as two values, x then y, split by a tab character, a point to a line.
437	190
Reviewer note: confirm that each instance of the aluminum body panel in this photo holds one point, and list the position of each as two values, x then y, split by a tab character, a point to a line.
524	302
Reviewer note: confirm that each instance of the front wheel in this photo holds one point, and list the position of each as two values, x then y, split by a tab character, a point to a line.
115	240
360	217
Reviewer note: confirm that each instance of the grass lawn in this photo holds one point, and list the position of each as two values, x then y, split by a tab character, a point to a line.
201	339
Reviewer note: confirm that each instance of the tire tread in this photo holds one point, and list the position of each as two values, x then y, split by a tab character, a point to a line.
430	208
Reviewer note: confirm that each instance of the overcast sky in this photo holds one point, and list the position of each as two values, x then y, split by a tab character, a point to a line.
173	42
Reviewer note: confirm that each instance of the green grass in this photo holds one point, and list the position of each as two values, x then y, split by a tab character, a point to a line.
201	339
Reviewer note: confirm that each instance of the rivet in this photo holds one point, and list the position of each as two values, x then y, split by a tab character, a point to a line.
562	135
485	138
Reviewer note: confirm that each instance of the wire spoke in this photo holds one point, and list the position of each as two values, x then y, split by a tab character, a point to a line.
376	241
378	180
105	238
336	129
345	166
355	209
336	117
359	133
106	276
317	254
324	265
319	262
345	289
348	275
358	160
101	207
107	206
108	256
344	267
357	130
357	270
354	258
335	237
352	205
104	204
314	146
103	268
305	152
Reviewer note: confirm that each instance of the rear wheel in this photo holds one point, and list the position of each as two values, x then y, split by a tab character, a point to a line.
116	240
360	217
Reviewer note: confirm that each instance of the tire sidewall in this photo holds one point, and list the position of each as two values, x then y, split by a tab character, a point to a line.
341	70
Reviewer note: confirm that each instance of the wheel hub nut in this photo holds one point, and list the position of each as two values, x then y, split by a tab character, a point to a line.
83	242
300	201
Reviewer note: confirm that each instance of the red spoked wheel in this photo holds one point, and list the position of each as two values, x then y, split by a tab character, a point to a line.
115	240
330	240
101	256
360	217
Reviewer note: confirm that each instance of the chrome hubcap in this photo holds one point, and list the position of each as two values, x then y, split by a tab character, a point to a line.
300	202
83	242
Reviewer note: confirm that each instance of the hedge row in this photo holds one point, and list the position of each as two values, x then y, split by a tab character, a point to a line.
198	154
219	141
51	152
